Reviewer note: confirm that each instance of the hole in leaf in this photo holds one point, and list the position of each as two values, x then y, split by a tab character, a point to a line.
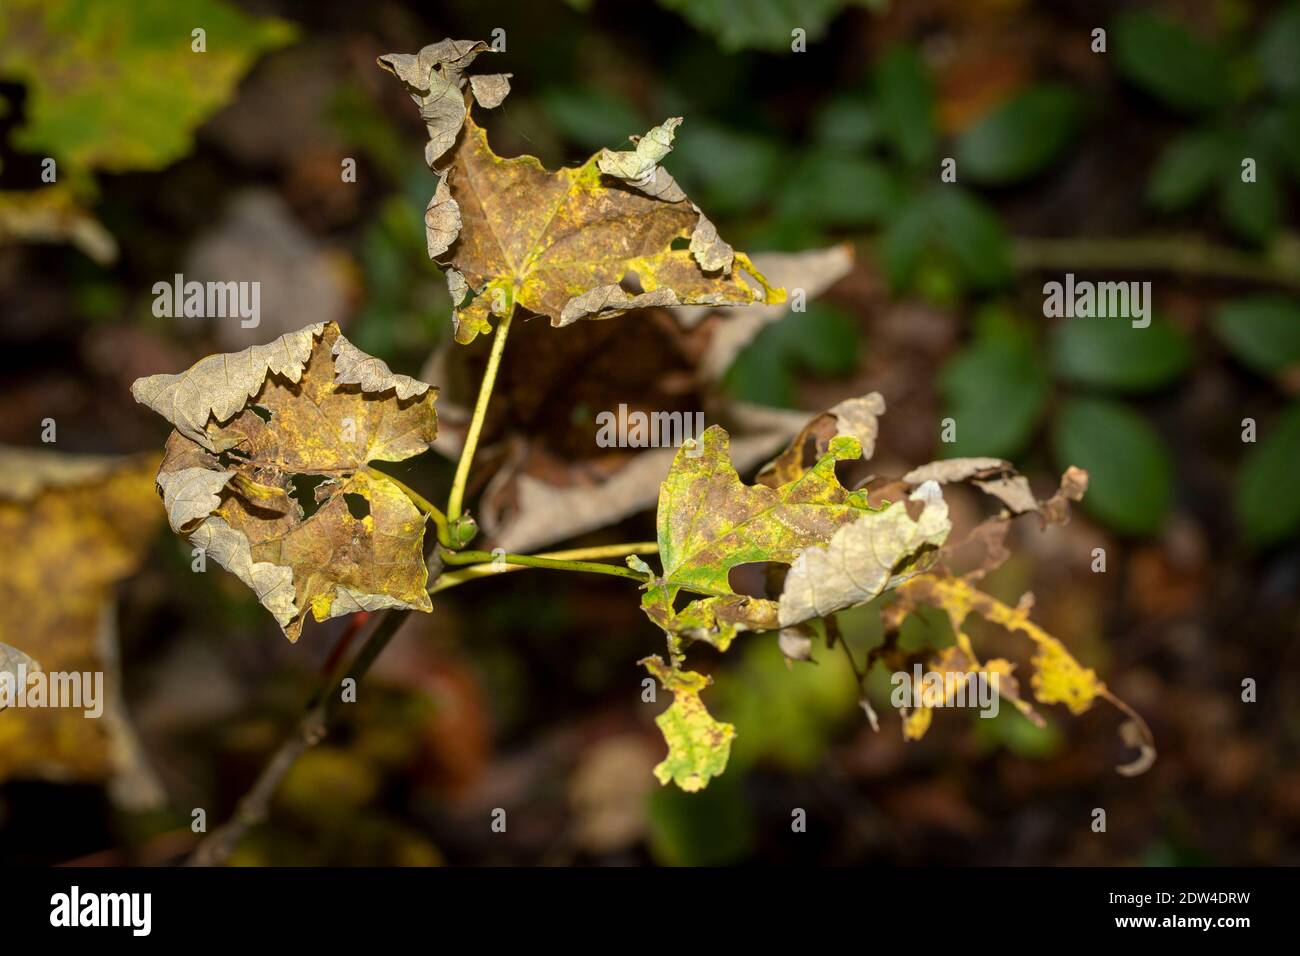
681	242
261	411
303	490
760	579
631	283
357	504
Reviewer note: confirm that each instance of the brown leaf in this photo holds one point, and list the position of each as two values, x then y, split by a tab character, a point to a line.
250	430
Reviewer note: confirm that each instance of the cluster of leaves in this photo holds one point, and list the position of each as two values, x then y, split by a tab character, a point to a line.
1002	386
269	469
1244	100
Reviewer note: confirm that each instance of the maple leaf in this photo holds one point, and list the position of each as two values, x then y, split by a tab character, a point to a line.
562	244
710	522
552	478
71	528
698	745
251	427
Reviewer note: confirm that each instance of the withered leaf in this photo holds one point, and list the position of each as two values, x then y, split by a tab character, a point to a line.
710	522
585	242
1058	678
698	745
252	427
862	559
71	528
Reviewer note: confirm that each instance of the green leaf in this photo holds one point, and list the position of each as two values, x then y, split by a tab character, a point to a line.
1174	65
905	99
1252	210
1279	50
970	233
994	391
954	226
590	116
760	24
846	123
1186	170
1111	353
1022	137
1130	477
1263	332
1266	503
698	745
829	189
89	109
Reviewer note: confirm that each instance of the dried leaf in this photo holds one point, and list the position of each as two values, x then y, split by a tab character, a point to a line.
71	528
1058	678
561	244
698	745
854	417
250	428
863	558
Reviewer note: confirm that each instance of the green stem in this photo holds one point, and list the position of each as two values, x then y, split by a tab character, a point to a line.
474	572
538	561
456	499
1279	265
430	510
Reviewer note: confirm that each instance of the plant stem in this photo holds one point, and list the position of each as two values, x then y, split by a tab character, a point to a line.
454	578
539	561
456	499
255	806
430	510
1191	255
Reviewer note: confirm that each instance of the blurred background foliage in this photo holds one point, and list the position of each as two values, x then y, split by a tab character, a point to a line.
1116	164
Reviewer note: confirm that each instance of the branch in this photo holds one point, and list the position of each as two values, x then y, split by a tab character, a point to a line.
1190	255
255	806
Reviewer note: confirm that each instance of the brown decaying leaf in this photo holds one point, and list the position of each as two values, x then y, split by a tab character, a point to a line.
252	426
585	242
71	527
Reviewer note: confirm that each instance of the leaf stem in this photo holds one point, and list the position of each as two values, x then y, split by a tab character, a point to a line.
541	561
474	572
456	499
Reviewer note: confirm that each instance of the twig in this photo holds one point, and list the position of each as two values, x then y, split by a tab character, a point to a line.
255	806
1182	255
